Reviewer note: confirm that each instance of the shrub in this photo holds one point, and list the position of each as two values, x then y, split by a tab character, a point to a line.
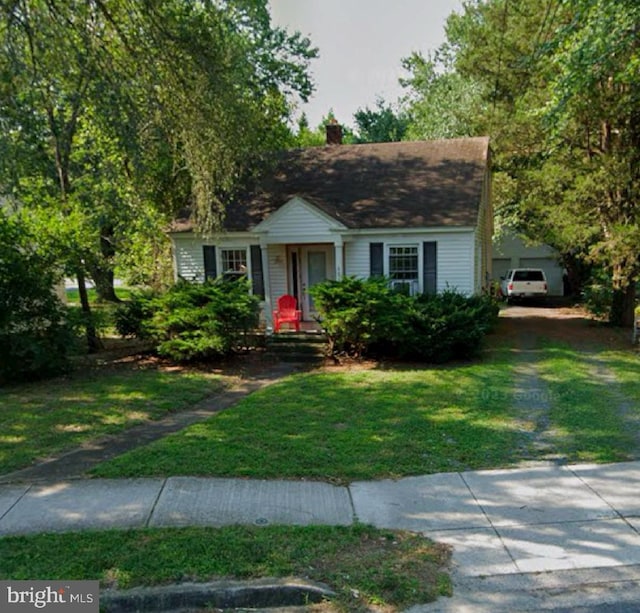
131	317
366	317
597	294
358	315
447	326
195	321
101	318
34	334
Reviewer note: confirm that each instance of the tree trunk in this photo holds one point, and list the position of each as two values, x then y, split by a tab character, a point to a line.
577	275
102	272
94	344
103	279
623	305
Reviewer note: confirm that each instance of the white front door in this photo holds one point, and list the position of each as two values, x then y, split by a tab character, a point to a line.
316	265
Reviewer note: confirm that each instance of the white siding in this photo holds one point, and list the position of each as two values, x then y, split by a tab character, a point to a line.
300	225
456	262
356	257
484	232
189	259
277	271
455	253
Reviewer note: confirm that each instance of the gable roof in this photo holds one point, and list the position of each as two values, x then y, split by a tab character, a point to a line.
380	185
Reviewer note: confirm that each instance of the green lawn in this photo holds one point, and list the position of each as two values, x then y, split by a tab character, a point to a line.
626	365
586	416
373	424
41	419
348	426
73	296
339	426
386	568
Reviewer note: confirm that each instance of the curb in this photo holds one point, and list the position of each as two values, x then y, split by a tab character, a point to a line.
260	593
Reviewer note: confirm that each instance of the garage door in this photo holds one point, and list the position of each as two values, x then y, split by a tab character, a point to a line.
500	267
551	269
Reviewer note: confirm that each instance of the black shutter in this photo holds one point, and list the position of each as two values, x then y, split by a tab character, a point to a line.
210	268
376	259
257	276
430	267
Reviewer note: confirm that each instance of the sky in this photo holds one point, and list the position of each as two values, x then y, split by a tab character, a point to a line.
361	44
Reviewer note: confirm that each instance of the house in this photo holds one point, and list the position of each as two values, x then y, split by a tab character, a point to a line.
416	212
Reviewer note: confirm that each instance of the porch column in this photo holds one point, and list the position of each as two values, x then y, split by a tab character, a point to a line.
268	315
339	258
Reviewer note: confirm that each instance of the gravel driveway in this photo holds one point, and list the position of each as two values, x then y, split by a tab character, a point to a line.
524	325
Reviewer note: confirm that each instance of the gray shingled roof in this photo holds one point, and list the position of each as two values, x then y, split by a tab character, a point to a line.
382	185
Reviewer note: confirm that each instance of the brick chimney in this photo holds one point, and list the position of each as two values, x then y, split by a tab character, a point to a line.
334	132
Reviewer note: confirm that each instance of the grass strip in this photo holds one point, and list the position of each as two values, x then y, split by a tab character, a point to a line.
345	426
586	421
364	566
626	367
41	419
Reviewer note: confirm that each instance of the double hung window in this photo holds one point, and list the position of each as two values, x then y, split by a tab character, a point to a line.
234	263
404	268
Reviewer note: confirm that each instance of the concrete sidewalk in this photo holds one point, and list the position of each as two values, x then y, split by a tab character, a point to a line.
500	522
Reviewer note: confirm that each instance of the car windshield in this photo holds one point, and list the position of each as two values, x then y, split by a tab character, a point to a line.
528	275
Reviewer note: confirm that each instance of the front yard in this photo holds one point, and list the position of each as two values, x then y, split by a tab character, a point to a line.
42	419
549	398
539	393
386	423
345	426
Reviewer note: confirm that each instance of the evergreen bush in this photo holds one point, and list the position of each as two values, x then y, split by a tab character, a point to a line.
194	321
359	314
447	326
368	318
131	317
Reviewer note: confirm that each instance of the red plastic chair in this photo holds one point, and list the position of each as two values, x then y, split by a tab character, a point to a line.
287	313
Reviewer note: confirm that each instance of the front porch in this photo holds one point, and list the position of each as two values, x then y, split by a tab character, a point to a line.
300	246
292	269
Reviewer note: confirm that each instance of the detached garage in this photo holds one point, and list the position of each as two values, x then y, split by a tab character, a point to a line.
510	251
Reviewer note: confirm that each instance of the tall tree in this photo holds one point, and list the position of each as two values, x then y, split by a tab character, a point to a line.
440	102
558	85
380	125
113	110
596	94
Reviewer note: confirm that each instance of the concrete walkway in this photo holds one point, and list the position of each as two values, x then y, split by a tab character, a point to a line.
501	523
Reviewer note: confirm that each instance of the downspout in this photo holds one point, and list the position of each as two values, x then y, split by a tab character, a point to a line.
338	246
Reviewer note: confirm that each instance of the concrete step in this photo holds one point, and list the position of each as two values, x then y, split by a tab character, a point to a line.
297	346
298	337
